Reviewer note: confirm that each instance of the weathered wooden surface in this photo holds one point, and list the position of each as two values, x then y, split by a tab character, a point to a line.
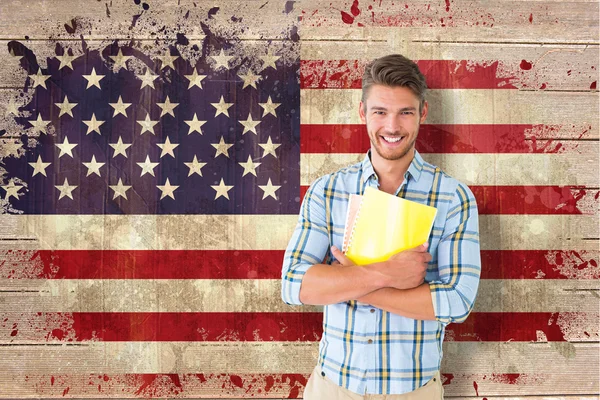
546	51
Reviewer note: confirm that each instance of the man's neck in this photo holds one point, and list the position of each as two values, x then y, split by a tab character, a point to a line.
391	172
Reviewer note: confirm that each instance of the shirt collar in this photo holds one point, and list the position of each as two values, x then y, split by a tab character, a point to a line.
414	169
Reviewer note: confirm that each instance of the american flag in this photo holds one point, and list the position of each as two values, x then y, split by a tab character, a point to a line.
157	195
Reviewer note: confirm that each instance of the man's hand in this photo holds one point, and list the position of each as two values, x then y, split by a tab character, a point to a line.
340	257
407	269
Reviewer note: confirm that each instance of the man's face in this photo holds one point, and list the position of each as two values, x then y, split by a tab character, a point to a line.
392	118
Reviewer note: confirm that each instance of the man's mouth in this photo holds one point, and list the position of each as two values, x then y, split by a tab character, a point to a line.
392	139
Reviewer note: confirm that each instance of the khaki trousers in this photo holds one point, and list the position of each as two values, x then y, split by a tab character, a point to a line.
320	387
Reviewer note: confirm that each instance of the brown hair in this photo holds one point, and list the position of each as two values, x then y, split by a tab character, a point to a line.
394	70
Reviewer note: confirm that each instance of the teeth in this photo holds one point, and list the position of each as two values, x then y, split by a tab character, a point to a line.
392	139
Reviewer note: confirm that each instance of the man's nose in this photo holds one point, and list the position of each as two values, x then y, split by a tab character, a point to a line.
392	124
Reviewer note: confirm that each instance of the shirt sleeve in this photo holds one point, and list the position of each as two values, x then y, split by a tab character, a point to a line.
309	243
459	260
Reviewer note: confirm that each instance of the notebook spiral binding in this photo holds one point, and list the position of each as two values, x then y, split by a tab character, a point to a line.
347	243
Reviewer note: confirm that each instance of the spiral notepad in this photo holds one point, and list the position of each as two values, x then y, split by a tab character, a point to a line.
384	225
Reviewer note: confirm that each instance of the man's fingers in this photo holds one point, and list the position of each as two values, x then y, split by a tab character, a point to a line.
420	248
339	256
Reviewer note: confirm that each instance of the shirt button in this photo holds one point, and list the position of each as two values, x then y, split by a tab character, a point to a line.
322	373
370	341
372	310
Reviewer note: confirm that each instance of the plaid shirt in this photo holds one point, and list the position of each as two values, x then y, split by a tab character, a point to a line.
365	349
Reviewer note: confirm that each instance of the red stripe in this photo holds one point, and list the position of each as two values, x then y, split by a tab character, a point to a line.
141	264
537	264
197	264
284	327
439	74
519	200
442	138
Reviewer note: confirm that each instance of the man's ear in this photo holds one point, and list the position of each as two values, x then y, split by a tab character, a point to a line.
361	112
424	111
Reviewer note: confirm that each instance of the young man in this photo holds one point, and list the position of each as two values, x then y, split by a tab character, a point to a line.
384	323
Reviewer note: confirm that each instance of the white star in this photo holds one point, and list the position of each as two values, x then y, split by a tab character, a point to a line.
66	60
65	107
269	107
167	107
10	148
147	166
93	125
249	167
39	125
222	60
249	125
66	147
269	60
120	147
39	79
195	79
12	190
12	53
222	189
120	59
11	108
269	190
93	166
93	79
65	189
147	79
147	125
167	61
120	107
120	189
195	166
269	147
250	79
222	107
195	125
39	167
167	148
222	147
167	190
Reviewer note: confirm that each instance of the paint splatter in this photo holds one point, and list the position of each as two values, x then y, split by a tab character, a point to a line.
531	18
593	85
347	18
354	9
525	65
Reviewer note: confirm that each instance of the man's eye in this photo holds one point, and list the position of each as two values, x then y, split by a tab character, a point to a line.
407	113
378	112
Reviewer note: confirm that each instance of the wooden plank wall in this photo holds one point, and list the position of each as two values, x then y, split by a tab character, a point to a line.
532	65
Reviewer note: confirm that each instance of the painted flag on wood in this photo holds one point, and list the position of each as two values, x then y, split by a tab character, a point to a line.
146	212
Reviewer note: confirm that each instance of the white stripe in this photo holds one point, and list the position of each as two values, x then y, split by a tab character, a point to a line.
282	357
558	58
462	106
261	232
262	295
484	169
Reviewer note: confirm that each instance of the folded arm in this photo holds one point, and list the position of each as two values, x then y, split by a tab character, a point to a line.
452	296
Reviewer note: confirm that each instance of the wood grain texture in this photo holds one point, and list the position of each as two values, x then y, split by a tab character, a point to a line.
140	232
123	295
548	50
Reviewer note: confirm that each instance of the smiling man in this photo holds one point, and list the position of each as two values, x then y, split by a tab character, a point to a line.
384	323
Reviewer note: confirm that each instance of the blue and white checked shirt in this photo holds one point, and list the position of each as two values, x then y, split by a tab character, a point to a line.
365	349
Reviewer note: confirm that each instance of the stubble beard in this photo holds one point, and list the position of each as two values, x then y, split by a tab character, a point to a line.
394	156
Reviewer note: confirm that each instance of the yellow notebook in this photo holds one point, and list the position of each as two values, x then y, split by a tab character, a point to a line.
384	225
